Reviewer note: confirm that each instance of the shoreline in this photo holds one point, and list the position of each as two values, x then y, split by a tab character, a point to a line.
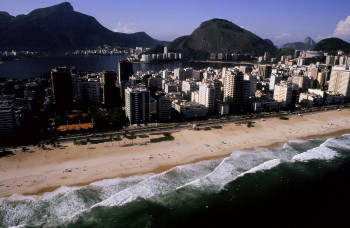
39	171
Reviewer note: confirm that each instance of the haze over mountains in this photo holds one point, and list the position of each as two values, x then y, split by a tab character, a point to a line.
302	46
60	28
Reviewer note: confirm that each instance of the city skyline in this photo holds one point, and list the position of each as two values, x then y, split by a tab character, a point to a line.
278	21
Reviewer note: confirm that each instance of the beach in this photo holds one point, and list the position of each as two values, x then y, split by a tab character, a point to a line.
37	170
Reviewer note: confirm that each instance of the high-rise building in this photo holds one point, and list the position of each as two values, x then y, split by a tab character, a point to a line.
321	76
89	91
304	83
125	70
137	105
110	95
340	82
188	86
166	50
313	73
164	108
207	97
196	75
165	74
218	89
253	81
265	71
7	120
62	87
188	73
246	94
233	91
296	54
283	94
180	74
267	56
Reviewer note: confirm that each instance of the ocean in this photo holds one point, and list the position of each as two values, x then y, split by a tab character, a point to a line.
302	183
37	66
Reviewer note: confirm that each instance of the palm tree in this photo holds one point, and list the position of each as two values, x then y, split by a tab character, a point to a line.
119	139
132	137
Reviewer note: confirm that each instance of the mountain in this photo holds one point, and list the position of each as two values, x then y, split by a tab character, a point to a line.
309	41
301	46
332	45
60	28
220	36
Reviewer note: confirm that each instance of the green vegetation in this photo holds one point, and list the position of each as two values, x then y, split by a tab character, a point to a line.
284	118
118	118
80	143
167	137
250	124
74	33
217	127
284	51
207	129
97	141
157	133
114	119
221	36
117	139
332	45
131	137
143	136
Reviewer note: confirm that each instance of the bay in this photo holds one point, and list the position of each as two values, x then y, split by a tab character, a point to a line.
37	66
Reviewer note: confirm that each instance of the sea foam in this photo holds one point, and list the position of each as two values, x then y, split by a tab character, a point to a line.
319	153
67	204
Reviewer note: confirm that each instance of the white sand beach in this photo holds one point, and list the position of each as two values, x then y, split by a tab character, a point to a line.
37	170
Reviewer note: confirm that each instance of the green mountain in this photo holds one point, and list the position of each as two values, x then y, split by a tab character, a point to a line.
60	28
221	36
332	45
301	46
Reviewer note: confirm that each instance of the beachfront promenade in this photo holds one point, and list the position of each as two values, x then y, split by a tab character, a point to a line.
171	127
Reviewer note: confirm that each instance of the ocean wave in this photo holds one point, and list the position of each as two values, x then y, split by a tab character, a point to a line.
67	205
264	166
319	153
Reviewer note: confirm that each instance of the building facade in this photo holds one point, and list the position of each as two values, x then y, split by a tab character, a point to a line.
7	120
62	87
125	70
233	91
137	105
109	90
89	91
207	97
164	109
283	94
340	82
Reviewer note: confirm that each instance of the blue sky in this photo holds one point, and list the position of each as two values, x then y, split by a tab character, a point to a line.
280	21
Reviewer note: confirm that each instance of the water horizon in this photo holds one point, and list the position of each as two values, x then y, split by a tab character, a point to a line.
32	67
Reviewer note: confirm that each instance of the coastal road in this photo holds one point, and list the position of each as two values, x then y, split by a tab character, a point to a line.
171	127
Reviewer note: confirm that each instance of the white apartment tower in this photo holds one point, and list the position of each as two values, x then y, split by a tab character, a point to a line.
207	97
340	82
283	94
137	105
